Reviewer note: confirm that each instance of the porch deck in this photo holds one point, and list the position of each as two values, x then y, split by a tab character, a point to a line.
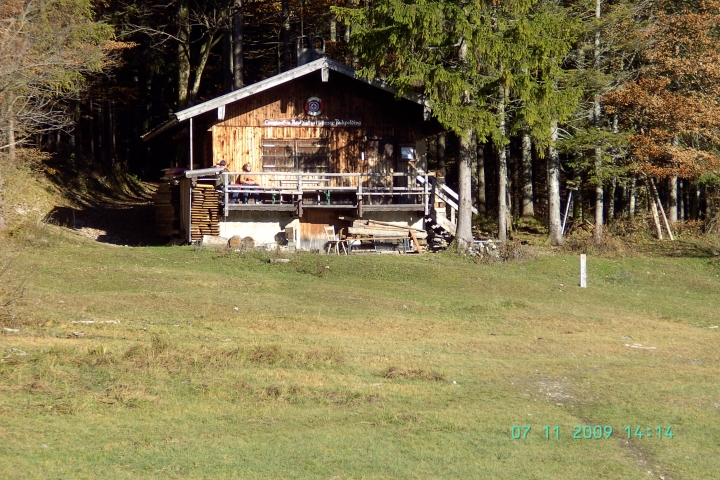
392	192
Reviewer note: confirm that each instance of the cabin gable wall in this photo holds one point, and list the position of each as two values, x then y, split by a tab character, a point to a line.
238	139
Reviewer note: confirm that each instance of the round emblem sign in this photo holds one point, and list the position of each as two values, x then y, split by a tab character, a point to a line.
313	106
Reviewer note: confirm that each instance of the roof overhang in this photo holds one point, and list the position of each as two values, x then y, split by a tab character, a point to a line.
322	64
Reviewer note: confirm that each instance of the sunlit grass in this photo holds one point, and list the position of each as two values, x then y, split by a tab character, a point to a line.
202	364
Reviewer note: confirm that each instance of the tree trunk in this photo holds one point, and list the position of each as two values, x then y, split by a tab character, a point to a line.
553	172
112	120
286	59
183	54
238	46
673	200
632	202
611	200
682	213
76	138
599	201
463	234
11	134
528	207
694	202
210	41
228	67
348	32
72	137
101	131
502	170
92	131
333	26
578	206
481	188
441	155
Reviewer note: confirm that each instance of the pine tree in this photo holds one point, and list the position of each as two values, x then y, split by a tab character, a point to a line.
484	67
605	57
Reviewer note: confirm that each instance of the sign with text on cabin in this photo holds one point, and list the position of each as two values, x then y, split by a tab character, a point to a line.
293	122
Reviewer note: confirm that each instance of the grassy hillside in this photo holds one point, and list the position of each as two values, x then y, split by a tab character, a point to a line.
200	364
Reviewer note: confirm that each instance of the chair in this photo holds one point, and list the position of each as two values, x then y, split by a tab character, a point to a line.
334	241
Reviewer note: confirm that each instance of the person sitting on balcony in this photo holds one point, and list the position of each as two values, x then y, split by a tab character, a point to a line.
220	181
248	183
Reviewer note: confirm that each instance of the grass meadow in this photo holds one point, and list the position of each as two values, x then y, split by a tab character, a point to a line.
177	362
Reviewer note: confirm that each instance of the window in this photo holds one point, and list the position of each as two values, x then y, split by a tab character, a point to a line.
304	155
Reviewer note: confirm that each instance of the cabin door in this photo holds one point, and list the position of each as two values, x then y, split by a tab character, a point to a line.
381	161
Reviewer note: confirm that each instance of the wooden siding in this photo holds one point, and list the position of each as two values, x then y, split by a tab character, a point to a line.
241	145
343	98
360	149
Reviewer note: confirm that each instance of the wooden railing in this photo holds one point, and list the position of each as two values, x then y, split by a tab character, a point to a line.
296	185
447	195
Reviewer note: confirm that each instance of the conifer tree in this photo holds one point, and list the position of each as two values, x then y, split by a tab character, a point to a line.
483	66
605	57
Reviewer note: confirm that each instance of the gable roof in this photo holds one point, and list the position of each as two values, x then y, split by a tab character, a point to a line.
323	64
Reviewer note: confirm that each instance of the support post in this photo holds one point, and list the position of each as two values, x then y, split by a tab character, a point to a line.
583	270
191	143
425	196
225	194
189	219
300	196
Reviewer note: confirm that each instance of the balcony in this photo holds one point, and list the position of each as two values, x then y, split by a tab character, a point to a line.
292	191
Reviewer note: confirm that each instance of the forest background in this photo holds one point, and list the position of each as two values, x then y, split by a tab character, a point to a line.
601	109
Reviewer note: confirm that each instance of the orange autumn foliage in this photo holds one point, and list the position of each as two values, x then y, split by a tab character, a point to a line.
673	105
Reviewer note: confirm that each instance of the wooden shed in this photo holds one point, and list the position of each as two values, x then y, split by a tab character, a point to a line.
319	146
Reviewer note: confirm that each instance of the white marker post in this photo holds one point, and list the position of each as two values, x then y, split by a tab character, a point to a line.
583	270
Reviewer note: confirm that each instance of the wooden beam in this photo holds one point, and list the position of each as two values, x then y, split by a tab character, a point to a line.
396	226
395	207
662	210
417	244
191	144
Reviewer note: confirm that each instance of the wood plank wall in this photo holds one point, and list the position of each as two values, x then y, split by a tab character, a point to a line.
239	138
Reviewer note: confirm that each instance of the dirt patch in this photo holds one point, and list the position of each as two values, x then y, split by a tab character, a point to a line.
643	460
556	390
638	453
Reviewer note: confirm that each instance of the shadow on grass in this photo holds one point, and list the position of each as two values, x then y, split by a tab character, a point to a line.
678	248
130	225
108	206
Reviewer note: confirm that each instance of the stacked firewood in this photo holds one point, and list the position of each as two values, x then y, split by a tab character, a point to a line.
167	210
205	211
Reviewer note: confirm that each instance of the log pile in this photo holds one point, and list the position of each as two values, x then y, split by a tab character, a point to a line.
205	211
388	233
367	228
167	210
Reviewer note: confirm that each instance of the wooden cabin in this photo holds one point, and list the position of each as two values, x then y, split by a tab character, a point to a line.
323	147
